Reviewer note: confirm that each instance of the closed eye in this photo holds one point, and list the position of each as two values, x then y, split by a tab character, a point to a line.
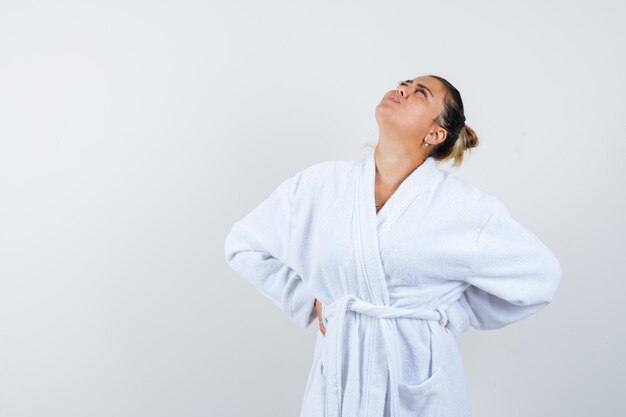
419	88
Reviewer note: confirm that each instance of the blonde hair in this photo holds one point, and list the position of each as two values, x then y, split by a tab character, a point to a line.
467	139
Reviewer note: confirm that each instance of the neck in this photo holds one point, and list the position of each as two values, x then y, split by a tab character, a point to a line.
396	159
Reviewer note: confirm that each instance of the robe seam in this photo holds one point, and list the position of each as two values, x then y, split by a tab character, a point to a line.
369	367
358	209
357	200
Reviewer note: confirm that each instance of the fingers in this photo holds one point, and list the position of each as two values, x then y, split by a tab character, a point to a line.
318	310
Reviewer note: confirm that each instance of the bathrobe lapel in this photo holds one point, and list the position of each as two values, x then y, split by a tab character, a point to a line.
372	225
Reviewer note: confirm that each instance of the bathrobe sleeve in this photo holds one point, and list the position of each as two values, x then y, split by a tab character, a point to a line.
257	248
512	274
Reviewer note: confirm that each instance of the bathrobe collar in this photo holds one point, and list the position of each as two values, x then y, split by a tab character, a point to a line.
404	194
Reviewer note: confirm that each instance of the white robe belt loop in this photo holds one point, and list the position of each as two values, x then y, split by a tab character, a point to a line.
333	360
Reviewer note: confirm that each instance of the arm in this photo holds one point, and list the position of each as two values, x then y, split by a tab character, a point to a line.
512	275
257	248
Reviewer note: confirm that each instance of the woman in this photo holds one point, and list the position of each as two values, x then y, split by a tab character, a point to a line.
396	258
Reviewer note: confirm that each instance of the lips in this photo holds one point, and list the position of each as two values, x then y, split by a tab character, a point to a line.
394	98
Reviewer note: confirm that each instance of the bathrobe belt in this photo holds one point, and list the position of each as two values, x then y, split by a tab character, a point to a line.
333	359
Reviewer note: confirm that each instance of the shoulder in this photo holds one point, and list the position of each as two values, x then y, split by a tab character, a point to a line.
328	167
473	201
322	174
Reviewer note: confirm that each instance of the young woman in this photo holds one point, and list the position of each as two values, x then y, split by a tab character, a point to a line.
396	258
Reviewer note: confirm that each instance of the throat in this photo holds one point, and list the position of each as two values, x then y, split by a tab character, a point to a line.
382	195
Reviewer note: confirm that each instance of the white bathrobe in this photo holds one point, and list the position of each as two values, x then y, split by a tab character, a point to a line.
397	287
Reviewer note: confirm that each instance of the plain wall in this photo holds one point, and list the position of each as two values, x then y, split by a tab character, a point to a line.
133	134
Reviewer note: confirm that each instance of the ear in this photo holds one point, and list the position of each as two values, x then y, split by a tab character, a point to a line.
438	135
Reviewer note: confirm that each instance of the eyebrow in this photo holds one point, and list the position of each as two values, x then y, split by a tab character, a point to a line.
420	85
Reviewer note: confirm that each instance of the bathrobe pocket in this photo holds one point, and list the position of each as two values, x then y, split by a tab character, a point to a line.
429	398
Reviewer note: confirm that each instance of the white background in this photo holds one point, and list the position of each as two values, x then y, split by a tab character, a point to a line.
133	134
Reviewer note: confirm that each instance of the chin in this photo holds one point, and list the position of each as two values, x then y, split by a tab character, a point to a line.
383	114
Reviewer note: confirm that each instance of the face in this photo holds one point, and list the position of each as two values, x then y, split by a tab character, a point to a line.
411	110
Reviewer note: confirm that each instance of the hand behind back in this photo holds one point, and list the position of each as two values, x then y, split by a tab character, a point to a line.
318	309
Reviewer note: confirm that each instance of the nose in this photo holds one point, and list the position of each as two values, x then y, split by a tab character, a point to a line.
400	90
